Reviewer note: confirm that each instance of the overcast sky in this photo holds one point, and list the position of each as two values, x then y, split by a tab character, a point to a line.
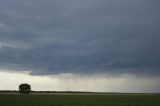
85	38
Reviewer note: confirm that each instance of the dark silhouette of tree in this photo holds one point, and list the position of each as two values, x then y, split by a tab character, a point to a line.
24	88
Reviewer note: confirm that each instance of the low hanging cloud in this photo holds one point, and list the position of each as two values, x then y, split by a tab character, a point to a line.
87	36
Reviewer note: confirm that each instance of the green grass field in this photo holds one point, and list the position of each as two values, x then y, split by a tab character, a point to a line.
80	100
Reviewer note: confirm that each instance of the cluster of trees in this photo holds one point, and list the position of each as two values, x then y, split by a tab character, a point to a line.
24	88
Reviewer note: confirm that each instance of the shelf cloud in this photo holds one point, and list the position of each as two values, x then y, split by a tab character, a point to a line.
83	37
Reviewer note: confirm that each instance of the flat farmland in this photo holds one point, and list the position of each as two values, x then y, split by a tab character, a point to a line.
79	99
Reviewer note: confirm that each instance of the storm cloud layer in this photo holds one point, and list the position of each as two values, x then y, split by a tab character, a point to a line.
80	36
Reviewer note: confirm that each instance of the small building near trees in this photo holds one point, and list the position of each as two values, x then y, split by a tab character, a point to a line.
24	88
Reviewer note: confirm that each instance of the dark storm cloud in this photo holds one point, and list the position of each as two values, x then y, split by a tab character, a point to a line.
87	36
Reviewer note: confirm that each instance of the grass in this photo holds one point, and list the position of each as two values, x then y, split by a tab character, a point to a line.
80	100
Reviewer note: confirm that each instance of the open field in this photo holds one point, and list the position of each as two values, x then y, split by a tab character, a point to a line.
78	99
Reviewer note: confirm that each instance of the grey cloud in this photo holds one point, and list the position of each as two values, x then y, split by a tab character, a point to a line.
80	36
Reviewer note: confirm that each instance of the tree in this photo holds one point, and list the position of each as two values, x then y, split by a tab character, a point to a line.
24	88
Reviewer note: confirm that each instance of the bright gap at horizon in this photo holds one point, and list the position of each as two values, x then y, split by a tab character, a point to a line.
126	83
